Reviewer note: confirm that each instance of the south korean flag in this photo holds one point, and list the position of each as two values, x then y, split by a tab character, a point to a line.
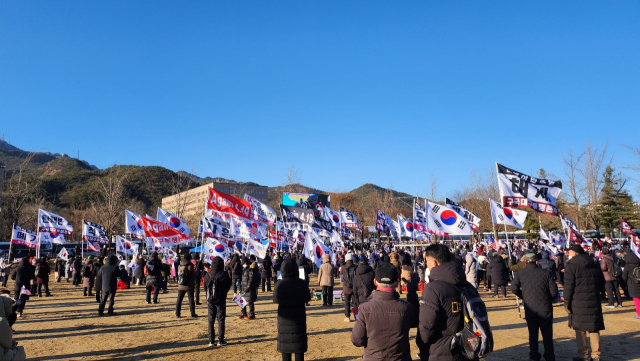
473	220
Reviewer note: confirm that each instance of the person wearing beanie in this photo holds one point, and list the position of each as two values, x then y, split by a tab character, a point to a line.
154	277
537	289
186	282
217	284
383	323
348	272
250	281
582	282
325	280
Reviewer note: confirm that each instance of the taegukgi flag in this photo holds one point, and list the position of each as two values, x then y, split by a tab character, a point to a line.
125	246
334	217
52	237
174	221
133	225
506	215
446	220
472	219
518	190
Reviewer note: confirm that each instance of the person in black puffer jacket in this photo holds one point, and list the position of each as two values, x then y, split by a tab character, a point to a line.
250	280
546	264
154	277
77	271
98	280
437	323
266	274
537	289
582	282
363	283
499	274
236	273
109	274
631	263
217	305
139	275
22	277
189	278
291	294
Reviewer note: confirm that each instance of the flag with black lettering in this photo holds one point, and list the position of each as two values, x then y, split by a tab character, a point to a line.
215	226
94	232
50	222
349	219
472	219
133	225
443	219
506	215
24	237
260	211
174	221
297	215
518	190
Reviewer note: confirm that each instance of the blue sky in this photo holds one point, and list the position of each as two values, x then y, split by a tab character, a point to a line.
349	92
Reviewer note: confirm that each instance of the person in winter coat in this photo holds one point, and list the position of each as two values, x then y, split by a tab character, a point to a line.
98	280
394	259
250	280
217	302
154	277
383	323
276	267
22	277
42	276
77	271
537	289
499	274
348	272
236	274
611	285
560	259
198	265
363	284
59	269
266	274
108	274
632	262
302	262
325	280
87	277
470	268
140	263
186	283
582	282
437	322
546	264
291	294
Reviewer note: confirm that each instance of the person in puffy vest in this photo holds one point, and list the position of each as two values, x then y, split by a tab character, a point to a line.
186	277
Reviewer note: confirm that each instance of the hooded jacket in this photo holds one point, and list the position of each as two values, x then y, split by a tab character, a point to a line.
154	276
499	271
545	263
438	324
537	289
606	263
291	294
224	281
470	268
190	274
23	274
582	283
632	261
109	274
267	267
362	281
236	267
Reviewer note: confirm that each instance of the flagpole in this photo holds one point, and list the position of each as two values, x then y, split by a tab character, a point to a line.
13	226
82	241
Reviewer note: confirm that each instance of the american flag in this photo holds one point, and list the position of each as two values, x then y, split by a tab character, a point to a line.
492	243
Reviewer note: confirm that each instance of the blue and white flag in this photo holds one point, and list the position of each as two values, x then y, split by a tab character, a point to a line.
174	221
133	225
406	227
334	217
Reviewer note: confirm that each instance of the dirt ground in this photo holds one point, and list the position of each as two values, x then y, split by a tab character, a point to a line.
67	327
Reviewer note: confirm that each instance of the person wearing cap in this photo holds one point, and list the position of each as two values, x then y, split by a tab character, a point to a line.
384	321
325	280
348	272
440	316
582	282
537	289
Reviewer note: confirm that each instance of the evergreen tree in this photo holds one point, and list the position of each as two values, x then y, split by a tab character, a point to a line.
615	202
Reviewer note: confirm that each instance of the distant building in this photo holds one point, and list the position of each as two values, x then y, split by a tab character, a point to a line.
190	205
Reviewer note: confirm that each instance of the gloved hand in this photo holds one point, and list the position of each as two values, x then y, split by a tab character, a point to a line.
412	284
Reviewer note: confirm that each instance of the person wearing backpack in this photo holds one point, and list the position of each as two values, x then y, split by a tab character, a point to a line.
611	273
217	284
348	272
441	306
87	277
631	275
154	277
186	279
42	276
363	284
537	289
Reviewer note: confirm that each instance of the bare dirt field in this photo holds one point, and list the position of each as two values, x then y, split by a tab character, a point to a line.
67	327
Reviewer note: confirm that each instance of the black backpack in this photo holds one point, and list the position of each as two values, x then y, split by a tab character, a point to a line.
635	274
38	271
213	296
183	276
475	341
86	271
367	290
347	279
616	270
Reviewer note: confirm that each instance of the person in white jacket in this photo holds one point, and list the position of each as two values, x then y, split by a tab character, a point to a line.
470	269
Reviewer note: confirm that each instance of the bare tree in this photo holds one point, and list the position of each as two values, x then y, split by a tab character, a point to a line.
432	193
20	190
572	182
293	176
179	184
593	164
110	203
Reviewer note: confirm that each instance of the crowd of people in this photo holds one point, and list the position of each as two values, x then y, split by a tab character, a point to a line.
374	279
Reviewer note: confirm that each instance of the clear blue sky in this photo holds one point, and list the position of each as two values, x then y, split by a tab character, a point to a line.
349	92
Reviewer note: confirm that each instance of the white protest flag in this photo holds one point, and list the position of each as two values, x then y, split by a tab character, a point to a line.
519	190
94	232
50	222
63	254
24	237
174	221
336	240
52	237
568	224
125	246
406	227
419	217
394	228
260	211
257	249
214	227
248	229
334	217
508	216
315	249
133	225
544	235
471	218
446	220
349	219
213	248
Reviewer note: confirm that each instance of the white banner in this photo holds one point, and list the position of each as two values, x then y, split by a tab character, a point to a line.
508	216
50	222
213	248
51	237
471	218
519	190
260	211
126	247
334	217
94	233
446	220
133	225
349	219
174	221
24	237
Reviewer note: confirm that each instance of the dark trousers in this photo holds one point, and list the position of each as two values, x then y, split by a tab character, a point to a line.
197	291
156	290
98	295
488	284
612	287
287	356
625	288
266	282
327	295
4	280
249	310
59	276
103	301
237	285
347	304
544	323
192	305
23	299
46	288
217	312
560	277
482	277
503	288
77	279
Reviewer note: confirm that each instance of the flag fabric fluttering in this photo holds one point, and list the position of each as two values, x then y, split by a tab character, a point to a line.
225	203
93	246
63	254
518	190
261	212
213	248
125	246
507	216
50	222
349	219
406	227
24	237
94	232
334	217
174	221
544	235
315	249
472	219
446	220
133	225
634	244
162	234
257	249
52	237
